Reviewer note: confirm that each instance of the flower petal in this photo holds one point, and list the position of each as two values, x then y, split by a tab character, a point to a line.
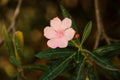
66	23
55	23
52	43
62	43
49	32
69	34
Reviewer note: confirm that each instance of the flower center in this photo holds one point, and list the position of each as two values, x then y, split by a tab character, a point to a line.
60	33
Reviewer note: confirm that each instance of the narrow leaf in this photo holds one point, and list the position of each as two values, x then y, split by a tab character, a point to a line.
56	69
18	46
14	61
8	40
92	74
71	66
80	72
18	43
35	67
20	37
86	32
56	53
102	62
107	49
109	75
115	75
112	54
79	57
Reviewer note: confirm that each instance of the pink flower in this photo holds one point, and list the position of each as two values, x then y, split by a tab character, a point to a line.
59	32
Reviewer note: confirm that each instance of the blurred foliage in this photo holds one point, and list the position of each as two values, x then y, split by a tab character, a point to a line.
35	15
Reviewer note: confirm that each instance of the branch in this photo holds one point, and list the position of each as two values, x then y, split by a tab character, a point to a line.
98	22
13	21
100	28
17	10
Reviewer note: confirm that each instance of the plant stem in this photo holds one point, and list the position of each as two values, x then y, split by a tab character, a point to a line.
13	21
76	45
79	48
86	57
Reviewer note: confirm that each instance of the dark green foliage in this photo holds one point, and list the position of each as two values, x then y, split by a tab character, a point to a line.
105	50
104	63
8	41
92	73
35	67
115	75
57	68
80	72
56	53
14	61
18	46
86	32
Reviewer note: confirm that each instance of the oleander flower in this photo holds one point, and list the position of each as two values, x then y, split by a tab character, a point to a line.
59	32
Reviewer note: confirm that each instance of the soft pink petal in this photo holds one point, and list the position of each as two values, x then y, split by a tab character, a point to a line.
66	23
55	23
62	43
49	33
52	43
69	33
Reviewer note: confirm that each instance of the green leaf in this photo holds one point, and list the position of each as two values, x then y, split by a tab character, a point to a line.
66	14
92	74
86	32
18	46
79	57
80	72
8	41
102	62
115	75
109	75
112	54
107	49
71	44
56	53
71	66
56	69
35	67
14	61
